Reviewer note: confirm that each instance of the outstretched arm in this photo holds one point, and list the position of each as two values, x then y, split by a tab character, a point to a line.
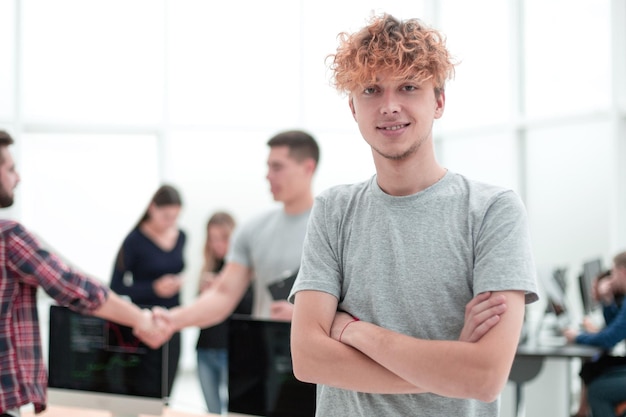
448	368
124	312
215	304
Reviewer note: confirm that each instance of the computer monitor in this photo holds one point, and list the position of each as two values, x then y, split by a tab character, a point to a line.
554	283
591	270
261	380
96	364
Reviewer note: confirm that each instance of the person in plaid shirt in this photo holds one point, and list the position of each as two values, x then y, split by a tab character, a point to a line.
24	267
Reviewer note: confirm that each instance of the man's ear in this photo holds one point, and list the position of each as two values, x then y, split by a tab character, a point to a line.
440	103
310	165
351	104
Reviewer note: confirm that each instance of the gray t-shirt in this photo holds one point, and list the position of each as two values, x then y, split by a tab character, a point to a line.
410	264
270	245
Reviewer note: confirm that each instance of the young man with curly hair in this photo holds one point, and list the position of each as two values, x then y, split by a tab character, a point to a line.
389	264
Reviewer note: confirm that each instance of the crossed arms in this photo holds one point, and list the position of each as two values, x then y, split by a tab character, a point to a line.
376	360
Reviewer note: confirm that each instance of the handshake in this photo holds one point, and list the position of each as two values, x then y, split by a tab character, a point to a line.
155	327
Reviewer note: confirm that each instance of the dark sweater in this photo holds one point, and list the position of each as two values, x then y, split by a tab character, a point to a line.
147	262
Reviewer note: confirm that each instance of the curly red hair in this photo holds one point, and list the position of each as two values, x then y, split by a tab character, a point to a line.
407	49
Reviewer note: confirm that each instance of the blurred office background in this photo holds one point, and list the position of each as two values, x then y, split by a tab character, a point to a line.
109	98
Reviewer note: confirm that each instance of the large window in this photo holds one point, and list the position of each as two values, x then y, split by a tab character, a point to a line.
567	64
209	83
212	81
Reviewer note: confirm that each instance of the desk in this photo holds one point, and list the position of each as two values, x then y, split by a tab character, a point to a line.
529	360
58	411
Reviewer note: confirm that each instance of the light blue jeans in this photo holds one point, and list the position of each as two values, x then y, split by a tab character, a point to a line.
213	375
606	391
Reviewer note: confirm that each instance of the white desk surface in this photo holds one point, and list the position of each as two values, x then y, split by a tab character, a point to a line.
57	411
565	351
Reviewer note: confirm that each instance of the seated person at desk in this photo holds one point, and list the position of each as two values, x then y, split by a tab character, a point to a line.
604	378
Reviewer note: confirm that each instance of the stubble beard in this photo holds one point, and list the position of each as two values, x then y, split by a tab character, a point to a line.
401	155
6	199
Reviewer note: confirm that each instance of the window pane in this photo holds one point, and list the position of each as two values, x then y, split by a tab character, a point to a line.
618	23
568	60
482	90
490	158
345	158
97	61
234	63
569	192
220	169
83	193
7	52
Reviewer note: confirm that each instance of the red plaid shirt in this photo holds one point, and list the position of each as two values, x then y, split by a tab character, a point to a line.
25	266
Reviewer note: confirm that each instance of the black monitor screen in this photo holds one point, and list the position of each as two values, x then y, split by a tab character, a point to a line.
261	380
91	354
591	270
554	284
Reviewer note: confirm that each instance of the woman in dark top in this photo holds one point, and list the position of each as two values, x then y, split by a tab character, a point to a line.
212	346
148	267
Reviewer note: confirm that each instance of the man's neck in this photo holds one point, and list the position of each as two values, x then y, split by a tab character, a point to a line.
299	205
407	177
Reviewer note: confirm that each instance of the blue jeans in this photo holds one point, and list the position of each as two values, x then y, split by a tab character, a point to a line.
606	391
213	375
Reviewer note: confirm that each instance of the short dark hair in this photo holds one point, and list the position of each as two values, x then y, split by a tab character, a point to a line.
620	259
301	144
5	140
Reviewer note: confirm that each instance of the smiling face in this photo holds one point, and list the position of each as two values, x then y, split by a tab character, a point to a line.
396	117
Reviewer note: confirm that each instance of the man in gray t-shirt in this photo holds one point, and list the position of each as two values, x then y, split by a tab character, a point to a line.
270	245
267	246
389	264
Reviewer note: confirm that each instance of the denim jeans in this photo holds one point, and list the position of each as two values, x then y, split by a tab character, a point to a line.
606	391
213	375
